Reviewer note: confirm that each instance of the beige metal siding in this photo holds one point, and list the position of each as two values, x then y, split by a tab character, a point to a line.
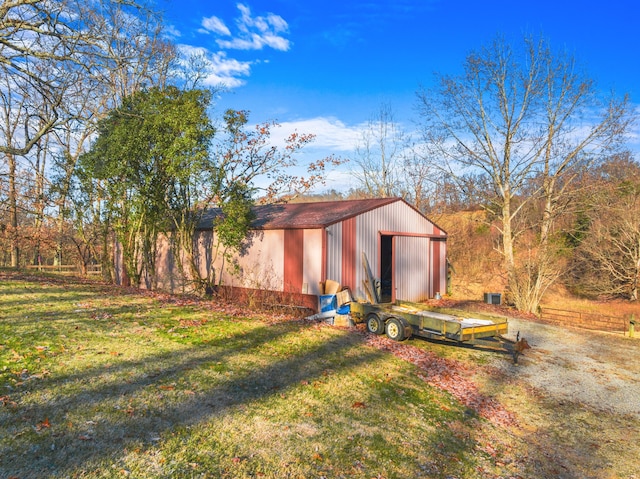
412	268
263	265
367	227
334	252
396	217
399	217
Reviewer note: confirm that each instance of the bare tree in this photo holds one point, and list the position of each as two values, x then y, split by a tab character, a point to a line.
48	52
37	39
520	117
606	260
613	249
133	55
24	109
379	155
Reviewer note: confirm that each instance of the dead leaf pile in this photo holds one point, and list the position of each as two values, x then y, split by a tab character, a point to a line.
448	375
217	305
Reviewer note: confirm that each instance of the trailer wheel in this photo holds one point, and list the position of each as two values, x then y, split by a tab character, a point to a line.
395	329
375	325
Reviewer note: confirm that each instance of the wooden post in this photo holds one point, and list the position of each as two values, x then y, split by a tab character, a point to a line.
632	325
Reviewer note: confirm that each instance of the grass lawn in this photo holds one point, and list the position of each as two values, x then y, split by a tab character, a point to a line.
102	382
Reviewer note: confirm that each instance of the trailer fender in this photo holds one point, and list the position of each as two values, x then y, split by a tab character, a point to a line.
408	329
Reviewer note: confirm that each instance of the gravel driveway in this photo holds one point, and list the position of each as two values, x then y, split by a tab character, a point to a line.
599	370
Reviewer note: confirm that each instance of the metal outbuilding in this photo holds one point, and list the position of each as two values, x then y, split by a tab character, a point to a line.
293	247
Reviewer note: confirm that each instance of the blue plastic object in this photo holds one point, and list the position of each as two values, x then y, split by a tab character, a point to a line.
328	302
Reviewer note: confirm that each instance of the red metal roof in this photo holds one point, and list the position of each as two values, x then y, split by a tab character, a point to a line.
305	215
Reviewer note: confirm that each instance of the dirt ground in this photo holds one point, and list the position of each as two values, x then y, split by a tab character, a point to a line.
576	394
600	370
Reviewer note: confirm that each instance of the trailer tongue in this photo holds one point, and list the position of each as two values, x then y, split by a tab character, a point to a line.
401	320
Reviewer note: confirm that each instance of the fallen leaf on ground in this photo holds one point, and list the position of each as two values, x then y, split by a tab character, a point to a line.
43	424
449	375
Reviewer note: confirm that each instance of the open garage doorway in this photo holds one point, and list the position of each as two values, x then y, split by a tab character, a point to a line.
386	268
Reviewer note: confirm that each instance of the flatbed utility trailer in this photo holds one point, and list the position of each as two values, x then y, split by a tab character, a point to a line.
401	320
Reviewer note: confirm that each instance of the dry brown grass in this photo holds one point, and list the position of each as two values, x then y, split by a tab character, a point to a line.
558	297
469	290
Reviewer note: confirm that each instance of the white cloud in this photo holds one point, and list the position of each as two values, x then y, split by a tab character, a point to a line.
264	24
258	32
332	137
218	68
256	42
215	25
331	134
172	32
251	33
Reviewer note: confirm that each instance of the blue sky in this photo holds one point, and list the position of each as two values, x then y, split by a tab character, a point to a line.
326	67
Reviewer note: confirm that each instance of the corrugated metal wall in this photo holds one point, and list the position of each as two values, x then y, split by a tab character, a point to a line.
334	252
412	278
412	268
349	249
312	268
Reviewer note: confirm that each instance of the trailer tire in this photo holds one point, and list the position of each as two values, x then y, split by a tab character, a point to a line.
375	325
395	329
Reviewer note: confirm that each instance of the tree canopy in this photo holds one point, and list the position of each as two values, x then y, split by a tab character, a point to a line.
151	153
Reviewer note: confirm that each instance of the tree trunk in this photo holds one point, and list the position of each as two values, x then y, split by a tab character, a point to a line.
105	259
636	279
13	212
507	248
40	167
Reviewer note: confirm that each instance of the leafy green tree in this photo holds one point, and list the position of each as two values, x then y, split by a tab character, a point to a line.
150	154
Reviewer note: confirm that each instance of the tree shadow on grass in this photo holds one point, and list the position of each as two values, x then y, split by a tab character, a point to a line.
72	424
106	396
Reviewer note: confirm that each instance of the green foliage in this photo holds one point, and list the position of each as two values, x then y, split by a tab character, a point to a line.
150	154
232	226
573	238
